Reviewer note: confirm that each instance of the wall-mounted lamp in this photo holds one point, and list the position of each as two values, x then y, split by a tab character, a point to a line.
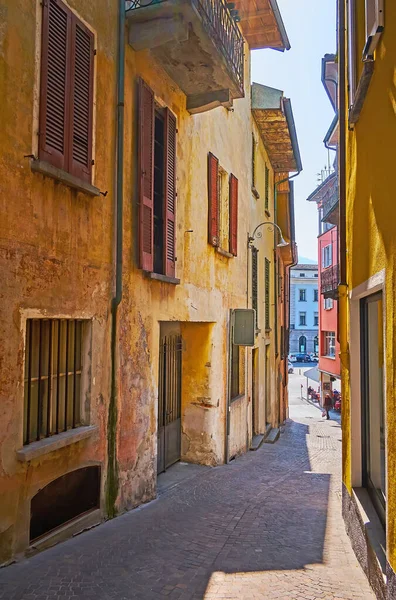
257	234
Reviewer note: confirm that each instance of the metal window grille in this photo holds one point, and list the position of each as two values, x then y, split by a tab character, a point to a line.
267	293
53	369
235	389
266	188
255	282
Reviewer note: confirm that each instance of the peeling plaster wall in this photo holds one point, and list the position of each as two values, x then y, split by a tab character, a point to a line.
55	252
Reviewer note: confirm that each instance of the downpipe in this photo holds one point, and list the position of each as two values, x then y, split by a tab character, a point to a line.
112	480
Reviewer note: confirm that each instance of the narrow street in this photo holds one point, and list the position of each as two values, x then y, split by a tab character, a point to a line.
267	526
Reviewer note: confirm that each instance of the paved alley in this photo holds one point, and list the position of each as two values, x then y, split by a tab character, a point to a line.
266	526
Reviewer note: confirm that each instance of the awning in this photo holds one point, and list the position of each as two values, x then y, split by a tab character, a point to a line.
312	374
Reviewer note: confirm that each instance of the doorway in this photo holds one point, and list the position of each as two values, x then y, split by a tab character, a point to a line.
169	401
373	401
255	390
267	385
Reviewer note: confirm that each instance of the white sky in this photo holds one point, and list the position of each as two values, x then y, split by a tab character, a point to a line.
311	28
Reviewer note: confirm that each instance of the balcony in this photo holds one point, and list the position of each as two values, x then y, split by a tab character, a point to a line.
197	43
329	282
330	206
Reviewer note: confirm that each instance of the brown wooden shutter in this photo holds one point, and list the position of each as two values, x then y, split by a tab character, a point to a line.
170	194
213	192
233	215
81	98
55	78
146	176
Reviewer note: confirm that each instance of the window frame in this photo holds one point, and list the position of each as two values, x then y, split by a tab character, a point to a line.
302	293
302	315
65	160
80	420
329	341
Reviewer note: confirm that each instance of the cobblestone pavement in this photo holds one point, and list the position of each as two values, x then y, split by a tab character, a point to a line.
266	526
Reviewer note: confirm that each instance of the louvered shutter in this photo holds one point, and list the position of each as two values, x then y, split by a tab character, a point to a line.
213	197
146	176
170	193
81	98
233	215
55	77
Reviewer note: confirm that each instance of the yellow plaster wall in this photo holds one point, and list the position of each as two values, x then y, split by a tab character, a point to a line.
371	214
55	251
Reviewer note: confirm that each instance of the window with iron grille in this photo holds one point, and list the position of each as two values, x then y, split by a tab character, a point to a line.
66	95
255	282
267	293
266	202
53	377
235	372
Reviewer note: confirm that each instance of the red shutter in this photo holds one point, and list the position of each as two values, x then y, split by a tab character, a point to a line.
81	98
170	193
233	215
146	176
55	77
213	192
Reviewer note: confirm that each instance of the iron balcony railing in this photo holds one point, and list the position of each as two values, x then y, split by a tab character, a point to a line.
329	202
329	281
219	23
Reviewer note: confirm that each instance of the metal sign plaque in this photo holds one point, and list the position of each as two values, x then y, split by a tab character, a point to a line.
243	326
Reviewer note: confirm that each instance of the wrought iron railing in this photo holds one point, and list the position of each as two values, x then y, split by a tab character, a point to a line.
329	280
329	202
218	21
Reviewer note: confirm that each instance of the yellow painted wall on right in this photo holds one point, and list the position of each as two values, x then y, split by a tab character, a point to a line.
370	260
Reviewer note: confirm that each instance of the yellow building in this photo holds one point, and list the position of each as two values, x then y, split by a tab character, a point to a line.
367	298
126	191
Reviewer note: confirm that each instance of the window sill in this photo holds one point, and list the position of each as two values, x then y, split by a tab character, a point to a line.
40	166
224	252
327	356
163	278
61	440
361	91
255	193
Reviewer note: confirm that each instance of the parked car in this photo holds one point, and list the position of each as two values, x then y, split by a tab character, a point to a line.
303	358
290	368
314	356
292	358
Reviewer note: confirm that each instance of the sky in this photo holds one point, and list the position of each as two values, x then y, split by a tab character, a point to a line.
311	28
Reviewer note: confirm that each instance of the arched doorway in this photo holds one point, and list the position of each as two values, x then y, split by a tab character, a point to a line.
316	344
302	344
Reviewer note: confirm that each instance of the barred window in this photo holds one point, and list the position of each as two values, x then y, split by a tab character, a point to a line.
53	373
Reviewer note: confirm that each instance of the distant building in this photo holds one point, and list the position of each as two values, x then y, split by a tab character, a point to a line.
304	312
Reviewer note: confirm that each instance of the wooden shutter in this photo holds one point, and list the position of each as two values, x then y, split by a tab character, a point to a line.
55	78
213	196
255	282
267	293
81	98
170	194
146	176
233	215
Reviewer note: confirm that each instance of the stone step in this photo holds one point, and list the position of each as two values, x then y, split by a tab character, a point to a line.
272	436
257	441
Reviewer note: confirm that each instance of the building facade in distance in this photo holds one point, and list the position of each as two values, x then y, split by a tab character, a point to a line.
304	309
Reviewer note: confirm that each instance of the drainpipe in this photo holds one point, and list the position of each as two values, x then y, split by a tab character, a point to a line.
112	469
